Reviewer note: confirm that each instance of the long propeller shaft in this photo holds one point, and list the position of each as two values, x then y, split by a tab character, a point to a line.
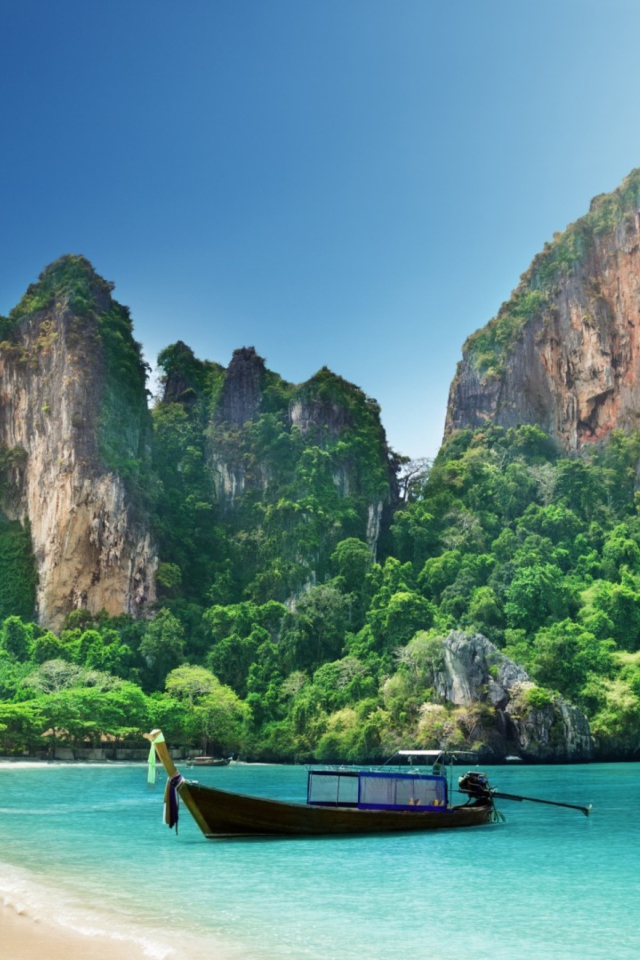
552	803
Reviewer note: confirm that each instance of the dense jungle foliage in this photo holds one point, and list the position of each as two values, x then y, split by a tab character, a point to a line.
503	535
279	633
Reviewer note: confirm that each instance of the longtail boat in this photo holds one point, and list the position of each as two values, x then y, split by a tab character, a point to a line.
339	801
209	762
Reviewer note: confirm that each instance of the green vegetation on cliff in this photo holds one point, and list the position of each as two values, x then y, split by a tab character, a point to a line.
17	570
68	282
254	507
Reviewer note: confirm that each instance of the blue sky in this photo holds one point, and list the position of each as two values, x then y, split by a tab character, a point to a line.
350	183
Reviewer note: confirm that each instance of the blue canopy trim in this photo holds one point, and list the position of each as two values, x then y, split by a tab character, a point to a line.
373	790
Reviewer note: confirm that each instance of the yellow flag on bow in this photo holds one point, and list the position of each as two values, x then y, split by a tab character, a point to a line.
151	774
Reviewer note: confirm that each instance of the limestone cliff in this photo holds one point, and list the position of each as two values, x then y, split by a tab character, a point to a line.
538	728
73	425
564	351
293	468
240	402
325	412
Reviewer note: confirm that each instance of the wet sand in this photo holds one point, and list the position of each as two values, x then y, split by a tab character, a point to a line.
24	938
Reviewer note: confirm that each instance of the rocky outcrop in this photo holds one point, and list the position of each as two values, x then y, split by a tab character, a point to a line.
474	669
180	384
239	404
555	731
521	719
564	352
241	395
324	412
92	550
294	469
323	417
320	418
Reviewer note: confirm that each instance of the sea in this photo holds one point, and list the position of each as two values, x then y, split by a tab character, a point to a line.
84	846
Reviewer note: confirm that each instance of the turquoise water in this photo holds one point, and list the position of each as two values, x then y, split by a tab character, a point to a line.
86	843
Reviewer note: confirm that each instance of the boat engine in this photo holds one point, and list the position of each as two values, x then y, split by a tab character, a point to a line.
476	786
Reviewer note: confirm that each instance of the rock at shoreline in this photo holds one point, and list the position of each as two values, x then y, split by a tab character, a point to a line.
519	717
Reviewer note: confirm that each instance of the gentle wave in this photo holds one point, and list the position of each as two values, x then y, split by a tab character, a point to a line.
69	764
29	898
26	897
69	809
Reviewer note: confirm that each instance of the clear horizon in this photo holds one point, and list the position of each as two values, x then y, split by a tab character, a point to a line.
358	185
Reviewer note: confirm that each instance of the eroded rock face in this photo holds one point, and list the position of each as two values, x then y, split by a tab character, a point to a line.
180	385
474	669
475	672
241	395
554	731
318	417
240	403
321	413
91	550
322	421
573	368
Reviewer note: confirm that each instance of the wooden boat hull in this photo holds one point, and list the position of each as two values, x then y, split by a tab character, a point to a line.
221	813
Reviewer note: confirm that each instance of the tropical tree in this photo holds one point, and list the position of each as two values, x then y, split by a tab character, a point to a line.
162	647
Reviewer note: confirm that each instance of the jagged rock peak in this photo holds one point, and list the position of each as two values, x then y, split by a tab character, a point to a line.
241	394
564	351
179	378
70	281
319	406
185	378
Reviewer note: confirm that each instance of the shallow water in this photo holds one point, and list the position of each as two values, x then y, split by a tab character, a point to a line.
87	845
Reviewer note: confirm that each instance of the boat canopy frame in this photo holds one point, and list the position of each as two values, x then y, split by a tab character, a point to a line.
377	790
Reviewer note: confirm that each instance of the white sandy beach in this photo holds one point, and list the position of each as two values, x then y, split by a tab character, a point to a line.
25	938
39	922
